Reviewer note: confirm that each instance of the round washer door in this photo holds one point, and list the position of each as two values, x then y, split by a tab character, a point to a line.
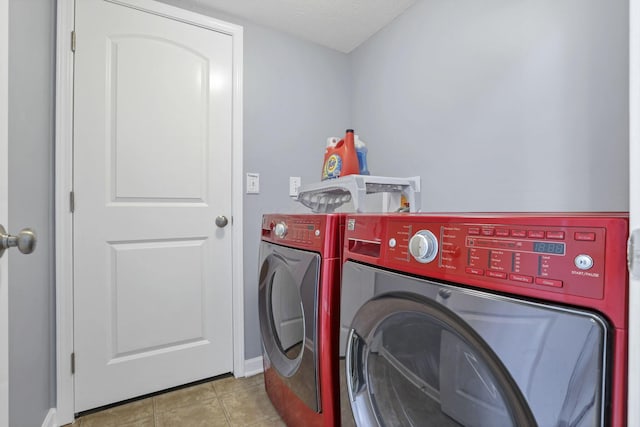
287	306
413	362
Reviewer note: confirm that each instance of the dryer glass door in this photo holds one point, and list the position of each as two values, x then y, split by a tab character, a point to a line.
424	353
421	365
287	301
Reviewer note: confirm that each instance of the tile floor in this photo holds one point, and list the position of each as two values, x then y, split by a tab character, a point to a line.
222	402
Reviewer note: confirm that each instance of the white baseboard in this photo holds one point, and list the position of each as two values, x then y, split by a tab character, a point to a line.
50	419
253	366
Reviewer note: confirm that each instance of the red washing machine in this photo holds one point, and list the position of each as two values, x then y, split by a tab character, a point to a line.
484	320
299	287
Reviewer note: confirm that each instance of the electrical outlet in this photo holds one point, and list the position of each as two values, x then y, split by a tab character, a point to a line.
253	183
294	185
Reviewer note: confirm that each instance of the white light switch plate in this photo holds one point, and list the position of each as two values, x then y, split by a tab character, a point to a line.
294	185
253	183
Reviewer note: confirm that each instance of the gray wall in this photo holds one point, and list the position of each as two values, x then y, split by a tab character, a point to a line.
500	104
31	278
296	94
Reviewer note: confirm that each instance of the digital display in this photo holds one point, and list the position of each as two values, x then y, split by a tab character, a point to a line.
548	248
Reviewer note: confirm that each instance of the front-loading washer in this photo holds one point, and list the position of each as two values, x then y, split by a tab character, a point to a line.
484	320
298	298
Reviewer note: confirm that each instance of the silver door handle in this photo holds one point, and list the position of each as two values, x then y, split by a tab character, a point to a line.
221	221
25	241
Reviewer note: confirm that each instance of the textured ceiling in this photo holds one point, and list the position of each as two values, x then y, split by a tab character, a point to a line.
338	24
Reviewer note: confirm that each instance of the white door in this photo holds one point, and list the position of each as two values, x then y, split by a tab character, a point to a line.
152	172
4	202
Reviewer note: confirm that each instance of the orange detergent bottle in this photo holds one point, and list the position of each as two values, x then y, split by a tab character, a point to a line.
341	159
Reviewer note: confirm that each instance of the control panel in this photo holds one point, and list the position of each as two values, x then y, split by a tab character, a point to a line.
299	231
542	256
573	258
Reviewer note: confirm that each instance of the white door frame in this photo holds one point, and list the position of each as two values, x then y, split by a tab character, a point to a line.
4	194
64	185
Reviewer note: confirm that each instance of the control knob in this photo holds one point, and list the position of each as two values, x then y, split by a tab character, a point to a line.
423	246
280	229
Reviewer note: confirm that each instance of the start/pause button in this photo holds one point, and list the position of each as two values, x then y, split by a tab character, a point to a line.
583	262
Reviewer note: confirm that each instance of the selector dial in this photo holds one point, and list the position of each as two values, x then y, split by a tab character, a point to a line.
280	229
423	246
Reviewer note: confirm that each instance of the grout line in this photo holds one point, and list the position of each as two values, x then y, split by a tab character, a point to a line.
224	410
155	413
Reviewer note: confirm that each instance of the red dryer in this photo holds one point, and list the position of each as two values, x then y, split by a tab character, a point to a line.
484	319
299	290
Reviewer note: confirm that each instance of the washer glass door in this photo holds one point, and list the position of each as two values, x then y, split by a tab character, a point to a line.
287	301
413	362
425	353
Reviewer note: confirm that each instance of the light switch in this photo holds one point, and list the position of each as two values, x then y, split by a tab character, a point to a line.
294	185
253	183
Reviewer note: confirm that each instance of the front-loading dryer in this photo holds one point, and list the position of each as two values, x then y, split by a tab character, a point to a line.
298	299
484	320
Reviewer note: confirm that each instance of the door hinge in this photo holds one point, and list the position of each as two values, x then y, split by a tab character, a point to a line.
73	363
73	41
633	254
72	201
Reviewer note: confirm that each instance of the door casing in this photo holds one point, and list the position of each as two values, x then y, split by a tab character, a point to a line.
64	186
4	211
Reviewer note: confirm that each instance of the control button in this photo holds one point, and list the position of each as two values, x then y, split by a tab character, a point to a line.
555	235
535	234
583	262
497	274
584	236
502	232
474	231
519	233
548	282
520	278
317	233
423	246
487	231
392	242
476	271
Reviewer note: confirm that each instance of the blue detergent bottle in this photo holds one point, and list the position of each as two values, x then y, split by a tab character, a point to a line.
361	151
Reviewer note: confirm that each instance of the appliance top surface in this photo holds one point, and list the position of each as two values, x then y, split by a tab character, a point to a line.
303	215
502	215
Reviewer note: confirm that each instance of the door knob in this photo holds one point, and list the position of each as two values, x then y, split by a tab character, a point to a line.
221	221
25	241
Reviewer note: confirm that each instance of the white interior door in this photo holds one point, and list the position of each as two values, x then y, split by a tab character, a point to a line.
152	171
4	202
634	212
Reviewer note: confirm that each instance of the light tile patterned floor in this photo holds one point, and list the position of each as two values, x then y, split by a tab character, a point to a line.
226	402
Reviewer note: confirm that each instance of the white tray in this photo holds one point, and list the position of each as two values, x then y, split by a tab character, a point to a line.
326	196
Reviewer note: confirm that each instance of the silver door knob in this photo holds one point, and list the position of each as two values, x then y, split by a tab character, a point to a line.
221	221
25	241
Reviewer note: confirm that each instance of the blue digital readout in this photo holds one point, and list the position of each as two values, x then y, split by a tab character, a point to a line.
548	248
